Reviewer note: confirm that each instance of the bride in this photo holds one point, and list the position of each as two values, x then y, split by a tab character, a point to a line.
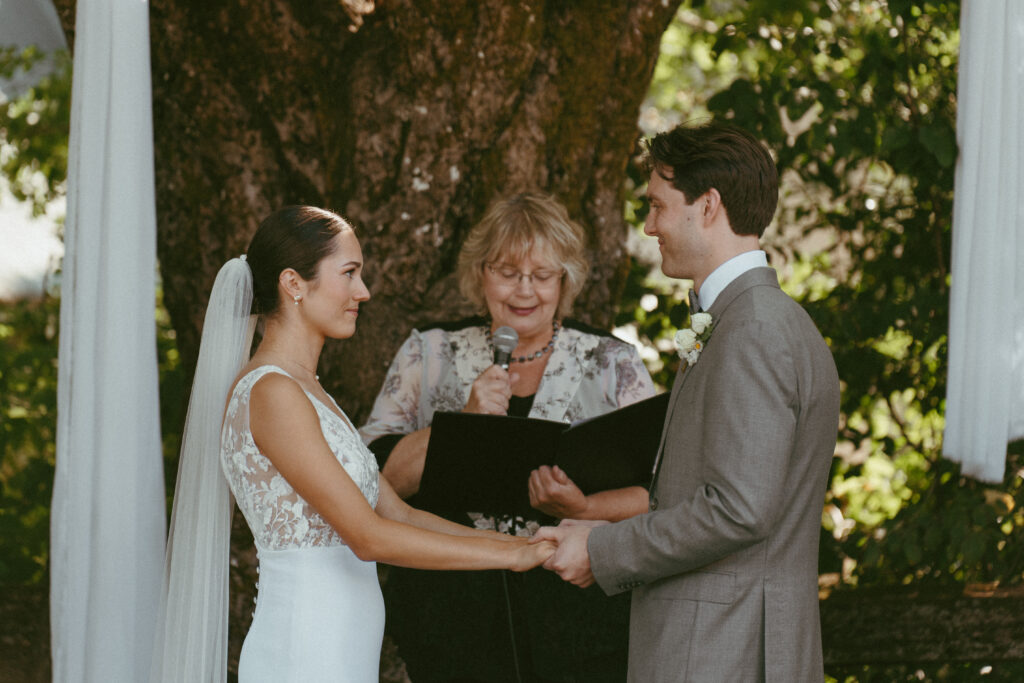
309	489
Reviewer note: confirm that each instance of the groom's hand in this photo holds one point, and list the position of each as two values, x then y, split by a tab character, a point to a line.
571	560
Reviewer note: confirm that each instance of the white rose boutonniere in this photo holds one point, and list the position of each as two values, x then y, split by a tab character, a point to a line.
700	322
691	342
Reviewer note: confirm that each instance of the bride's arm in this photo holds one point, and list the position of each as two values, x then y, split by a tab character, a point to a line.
391	506
286	428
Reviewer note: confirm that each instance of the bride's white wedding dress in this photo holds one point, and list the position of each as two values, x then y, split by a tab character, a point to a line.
319	612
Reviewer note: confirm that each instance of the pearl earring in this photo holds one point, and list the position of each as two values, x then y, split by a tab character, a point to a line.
297	299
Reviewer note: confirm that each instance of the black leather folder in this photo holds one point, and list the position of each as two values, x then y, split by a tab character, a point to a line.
481	463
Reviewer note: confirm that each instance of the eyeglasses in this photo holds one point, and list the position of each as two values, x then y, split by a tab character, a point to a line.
507	276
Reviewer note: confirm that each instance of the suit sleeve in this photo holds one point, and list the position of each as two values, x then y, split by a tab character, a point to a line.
750	407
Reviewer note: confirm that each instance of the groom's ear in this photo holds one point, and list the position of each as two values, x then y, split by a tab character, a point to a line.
712	205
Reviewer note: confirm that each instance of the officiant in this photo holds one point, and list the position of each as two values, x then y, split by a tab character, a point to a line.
521	266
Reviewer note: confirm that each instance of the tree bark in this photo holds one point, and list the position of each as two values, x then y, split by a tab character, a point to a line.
408	118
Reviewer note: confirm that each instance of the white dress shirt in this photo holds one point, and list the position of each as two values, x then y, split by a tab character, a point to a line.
727	272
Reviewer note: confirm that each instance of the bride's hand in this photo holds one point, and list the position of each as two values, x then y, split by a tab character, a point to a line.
505	538
509	538
530	555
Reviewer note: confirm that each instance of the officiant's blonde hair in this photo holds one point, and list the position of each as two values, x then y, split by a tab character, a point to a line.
509	232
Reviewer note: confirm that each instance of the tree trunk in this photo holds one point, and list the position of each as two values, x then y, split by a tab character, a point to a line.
408	118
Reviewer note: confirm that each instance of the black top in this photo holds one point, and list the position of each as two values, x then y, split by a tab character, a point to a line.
519	406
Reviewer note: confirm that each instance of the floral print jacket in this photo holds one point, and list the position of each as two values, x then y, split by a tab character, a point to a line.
590	372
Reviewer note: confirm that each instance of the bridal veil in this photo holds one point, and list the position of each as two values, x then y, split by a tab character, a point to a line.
192	633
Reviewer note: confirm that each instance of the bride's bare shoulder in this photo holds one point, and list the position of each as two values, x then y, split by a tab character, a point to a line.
277	391
267	387
280	409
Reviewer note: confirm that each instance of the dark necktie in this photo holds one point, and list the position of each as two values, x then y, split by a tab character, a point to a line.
694	302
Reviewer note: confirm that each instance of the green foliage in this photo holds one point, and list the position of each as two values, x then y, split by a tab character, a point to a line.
28	427
34	129
857	102
174	393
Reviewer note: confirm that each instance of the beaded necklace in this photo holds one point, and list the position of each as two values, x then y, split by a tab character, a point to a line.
537	354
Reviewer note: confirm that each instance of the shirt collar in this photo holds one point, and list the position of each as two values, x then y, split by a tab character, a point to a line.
727	272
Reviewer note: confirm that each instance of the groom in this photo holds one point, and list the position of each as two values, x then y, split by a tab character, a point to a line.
723	568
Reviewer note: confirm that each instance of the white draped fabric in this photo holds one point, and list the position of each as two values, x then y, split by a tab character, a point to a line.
107	517
985	394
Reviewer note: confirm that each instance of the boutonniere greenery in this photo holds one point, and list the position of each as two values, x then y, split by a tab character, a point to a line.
690	342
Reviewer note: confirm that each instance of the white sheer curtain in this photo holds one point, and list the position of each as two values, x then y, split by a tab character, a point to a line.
107	525
985	395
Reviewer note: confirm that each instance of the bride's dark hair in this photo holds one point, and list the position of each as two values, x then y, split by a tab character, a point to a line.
296	237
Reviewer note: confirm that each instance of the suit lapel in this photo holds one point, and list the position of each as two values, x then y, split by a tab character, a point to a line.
677	386
764	276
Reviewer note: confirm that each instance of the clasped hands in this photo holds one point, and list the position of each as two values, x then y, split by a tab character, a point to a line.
551	490
570	561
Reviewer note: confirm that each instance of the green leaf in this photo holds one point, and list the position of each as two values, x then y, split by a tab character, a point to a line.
941	142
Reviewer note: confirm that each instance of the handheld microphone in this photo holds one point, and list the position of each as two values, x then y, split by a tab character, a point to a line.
505	340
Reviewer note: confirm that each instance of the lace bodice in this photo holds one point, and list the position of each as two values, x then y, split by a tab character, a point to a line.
278	516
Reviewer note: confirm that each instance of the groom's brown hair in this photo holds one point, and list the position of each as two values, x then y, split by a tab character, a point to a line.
729	159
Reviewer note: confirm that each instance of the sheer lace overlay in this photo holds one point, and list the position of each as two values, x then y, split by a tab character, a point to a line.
278	516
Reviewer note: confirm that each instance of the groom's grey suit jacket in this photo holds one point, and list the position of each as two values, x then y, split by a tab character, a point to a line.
724	567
